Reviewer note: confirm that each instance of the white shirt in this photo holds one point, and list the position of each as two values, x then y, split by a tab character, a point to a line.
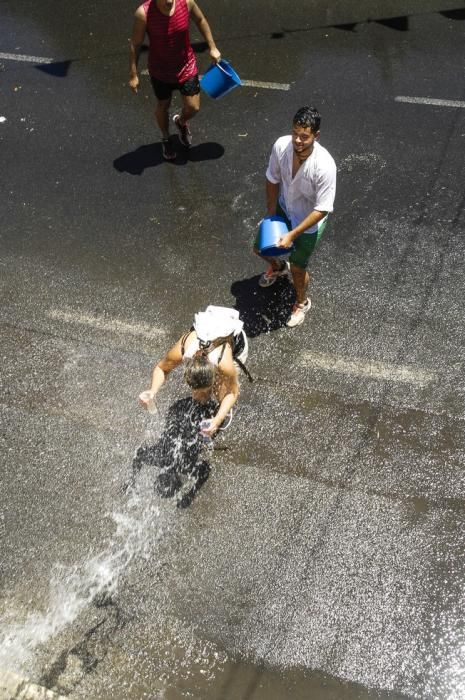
313	187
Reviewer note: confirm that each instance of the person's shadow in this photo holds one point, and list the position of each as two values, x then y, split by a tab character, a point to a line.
179	454
150	155
263	309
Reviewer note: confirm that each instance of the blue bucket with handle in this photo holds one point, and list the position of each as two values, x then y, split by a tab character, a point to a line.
220	79
272	228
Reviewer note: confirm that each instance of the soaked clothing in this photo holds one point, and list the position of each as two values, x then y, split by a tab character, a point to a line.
171	57
240	350
214	328
312	188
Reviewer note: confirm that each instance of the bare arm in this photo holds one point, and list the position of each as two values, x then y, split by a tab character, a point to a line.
135	42
172	359
228	390
311	220
204	28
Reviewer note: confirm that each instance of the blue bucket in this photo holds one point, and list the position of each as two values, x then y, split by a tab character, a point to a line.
220	79
271	230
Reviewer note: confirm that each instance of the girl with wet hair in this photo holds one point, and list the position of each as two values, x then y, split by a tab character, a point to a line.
210	372
199	372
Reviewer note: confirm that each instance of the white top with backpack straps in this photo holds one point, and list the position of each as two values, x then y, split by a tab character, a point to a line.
214	322
194	346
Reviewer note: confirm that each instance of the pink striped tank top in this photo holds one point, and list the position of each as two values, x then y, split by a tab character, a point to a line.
171	57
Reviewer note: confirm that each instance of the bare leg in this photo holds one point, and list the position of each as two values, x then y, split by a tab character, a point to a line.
190	107
162	117
301	280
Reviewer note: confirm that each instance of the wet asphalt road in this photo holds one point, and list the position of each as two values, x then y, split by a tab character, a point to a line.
323	557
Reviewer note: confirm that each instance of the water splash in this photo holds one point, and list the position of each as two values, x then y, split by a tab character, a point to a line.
177	456
138	528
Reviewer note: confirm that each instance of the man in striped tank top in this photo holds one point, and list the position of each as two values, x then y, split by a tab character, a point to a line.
171	62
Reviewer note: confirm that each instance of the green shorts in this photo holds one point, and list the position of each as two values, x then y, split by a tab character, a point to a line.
305	244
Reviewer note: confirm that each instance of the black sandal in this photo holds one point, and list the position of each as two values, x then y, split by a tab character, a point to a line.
167	149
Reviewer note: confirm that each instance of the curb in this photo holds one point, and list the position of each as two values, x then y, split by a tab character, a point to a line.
13	687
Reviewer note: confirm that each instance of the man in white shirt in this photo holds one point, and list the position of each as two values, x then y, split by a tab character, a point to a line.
300	186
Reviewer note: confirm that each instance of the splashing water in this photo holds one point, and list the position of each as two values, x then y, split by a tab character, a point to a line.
74	588
139	526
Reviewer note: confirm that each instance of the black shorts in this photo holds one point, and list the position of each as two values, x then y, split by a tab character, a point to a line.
163	91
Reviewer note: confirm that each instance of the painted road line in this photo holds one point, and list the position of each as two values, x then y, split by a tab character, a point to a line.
41	59
385	371
28	59
252	83
266	86
429	101
102	323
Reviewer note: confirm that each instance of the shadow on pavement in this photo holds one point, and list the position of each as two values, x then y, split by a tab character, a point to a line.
263	310
204	151
179	453
454	14
400	24
59	69
149	156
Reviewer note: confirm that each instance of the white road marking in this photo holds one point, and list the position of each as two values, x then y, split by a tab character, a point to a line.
371	369
41	59
102	323
429	101
266	86
28	59
252	83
